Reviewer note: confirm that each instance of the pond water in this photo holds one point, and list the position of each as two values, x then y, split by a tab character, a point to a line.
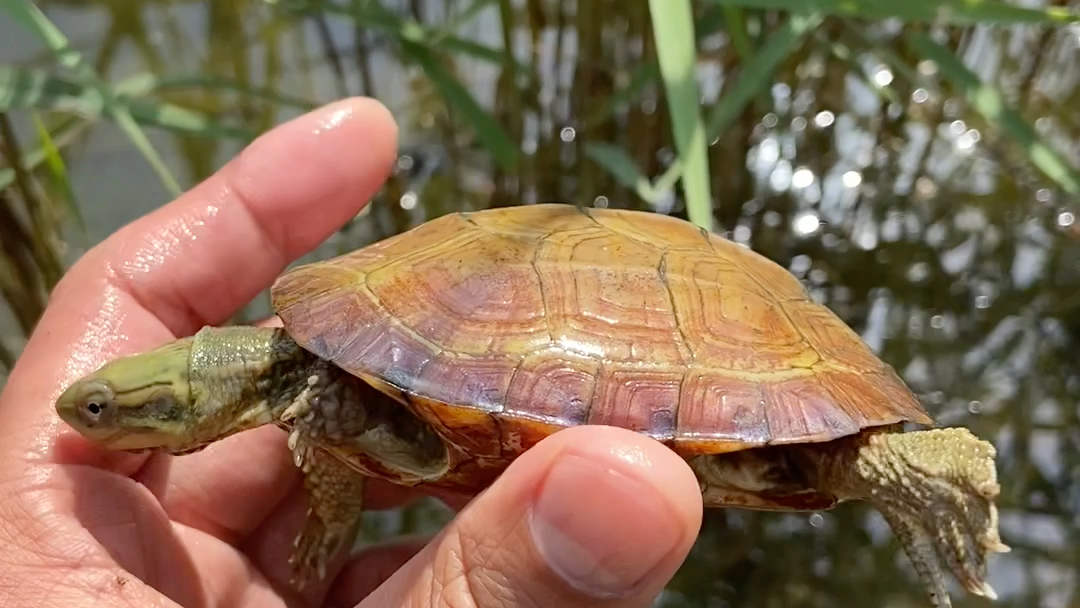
928	232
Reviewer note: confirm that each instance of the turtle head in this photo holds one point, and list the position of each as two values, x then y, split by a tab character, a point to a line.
191	392
135	402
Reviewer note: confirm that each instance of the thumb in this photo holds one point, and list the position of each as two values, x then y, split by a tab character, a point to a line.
591	516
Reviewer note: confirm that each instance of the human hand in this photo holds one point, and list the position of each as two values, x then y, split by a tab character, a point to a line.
589	517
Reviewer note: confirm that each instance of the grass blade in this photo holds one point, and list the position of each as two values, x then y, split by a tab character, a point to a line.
374	16
58	173
952	12
66	132
211	83
31	16
488	130
616	161
25	88
990	103
757	73
753	78
673	29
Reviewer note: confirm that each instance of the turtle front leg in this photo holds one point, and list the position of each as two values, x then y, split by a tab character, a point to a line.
936	488
326	410
336	494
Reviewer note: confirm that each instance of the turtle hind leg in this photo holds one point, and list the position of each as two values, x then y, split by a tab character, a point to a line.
336	494
937	489
919	547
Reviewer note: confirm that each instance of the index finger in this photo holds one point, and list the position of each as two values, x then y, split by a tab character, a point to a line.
199	259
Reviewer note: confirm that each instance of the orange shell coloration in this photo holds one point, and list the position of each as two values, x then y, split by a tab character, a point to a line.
502	326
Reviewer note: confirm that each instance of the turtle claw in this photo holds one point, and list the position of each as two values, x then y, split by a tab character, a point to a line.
311	553
987	591
333	518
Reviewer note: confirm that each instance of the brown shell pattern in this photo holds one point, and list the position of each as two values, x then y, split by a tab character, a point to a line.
504	325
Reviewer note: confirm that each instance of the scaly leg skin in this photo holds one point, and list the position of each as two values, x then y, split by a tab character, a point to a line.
333	518
335	490
936	488
919	547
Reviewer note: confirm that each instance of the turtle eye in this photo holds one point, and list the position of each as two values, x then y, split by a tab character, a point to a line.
97	406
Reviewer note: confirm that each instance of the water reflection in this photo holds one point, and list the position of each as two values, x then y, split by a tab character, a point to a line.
904	212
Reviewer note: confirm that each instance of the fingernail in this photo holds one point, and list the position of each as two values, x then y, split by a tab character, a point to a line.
600	528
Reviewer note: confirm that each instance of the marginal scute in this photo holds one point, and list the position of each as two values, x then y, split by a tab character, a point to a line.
873	397
799	410
474	431
552	387
645	401
719	413
503	326
479	383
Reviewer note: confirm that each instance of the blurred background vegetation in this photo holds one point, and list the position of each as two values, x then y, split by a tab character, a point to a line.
913	162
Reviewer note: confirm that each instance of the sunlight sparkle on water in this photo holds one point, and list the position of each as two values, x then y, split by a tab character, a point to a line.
408	200
806	223
780	178
883	77
851	179
802	178
1066	219
966	141
824	119
769	151
567	134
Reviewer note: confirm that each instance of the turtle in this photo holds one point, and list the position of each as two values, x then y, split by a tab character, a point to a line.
437	356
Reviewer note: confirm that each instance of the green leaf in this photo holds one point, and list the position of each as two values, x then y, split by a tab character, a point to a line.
673	28
33	88
30	16
167	83
33	159
642	76
375	16
753	78
990	103
736	28
616	161
952	12
488	130
27	88
757	73
58	171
